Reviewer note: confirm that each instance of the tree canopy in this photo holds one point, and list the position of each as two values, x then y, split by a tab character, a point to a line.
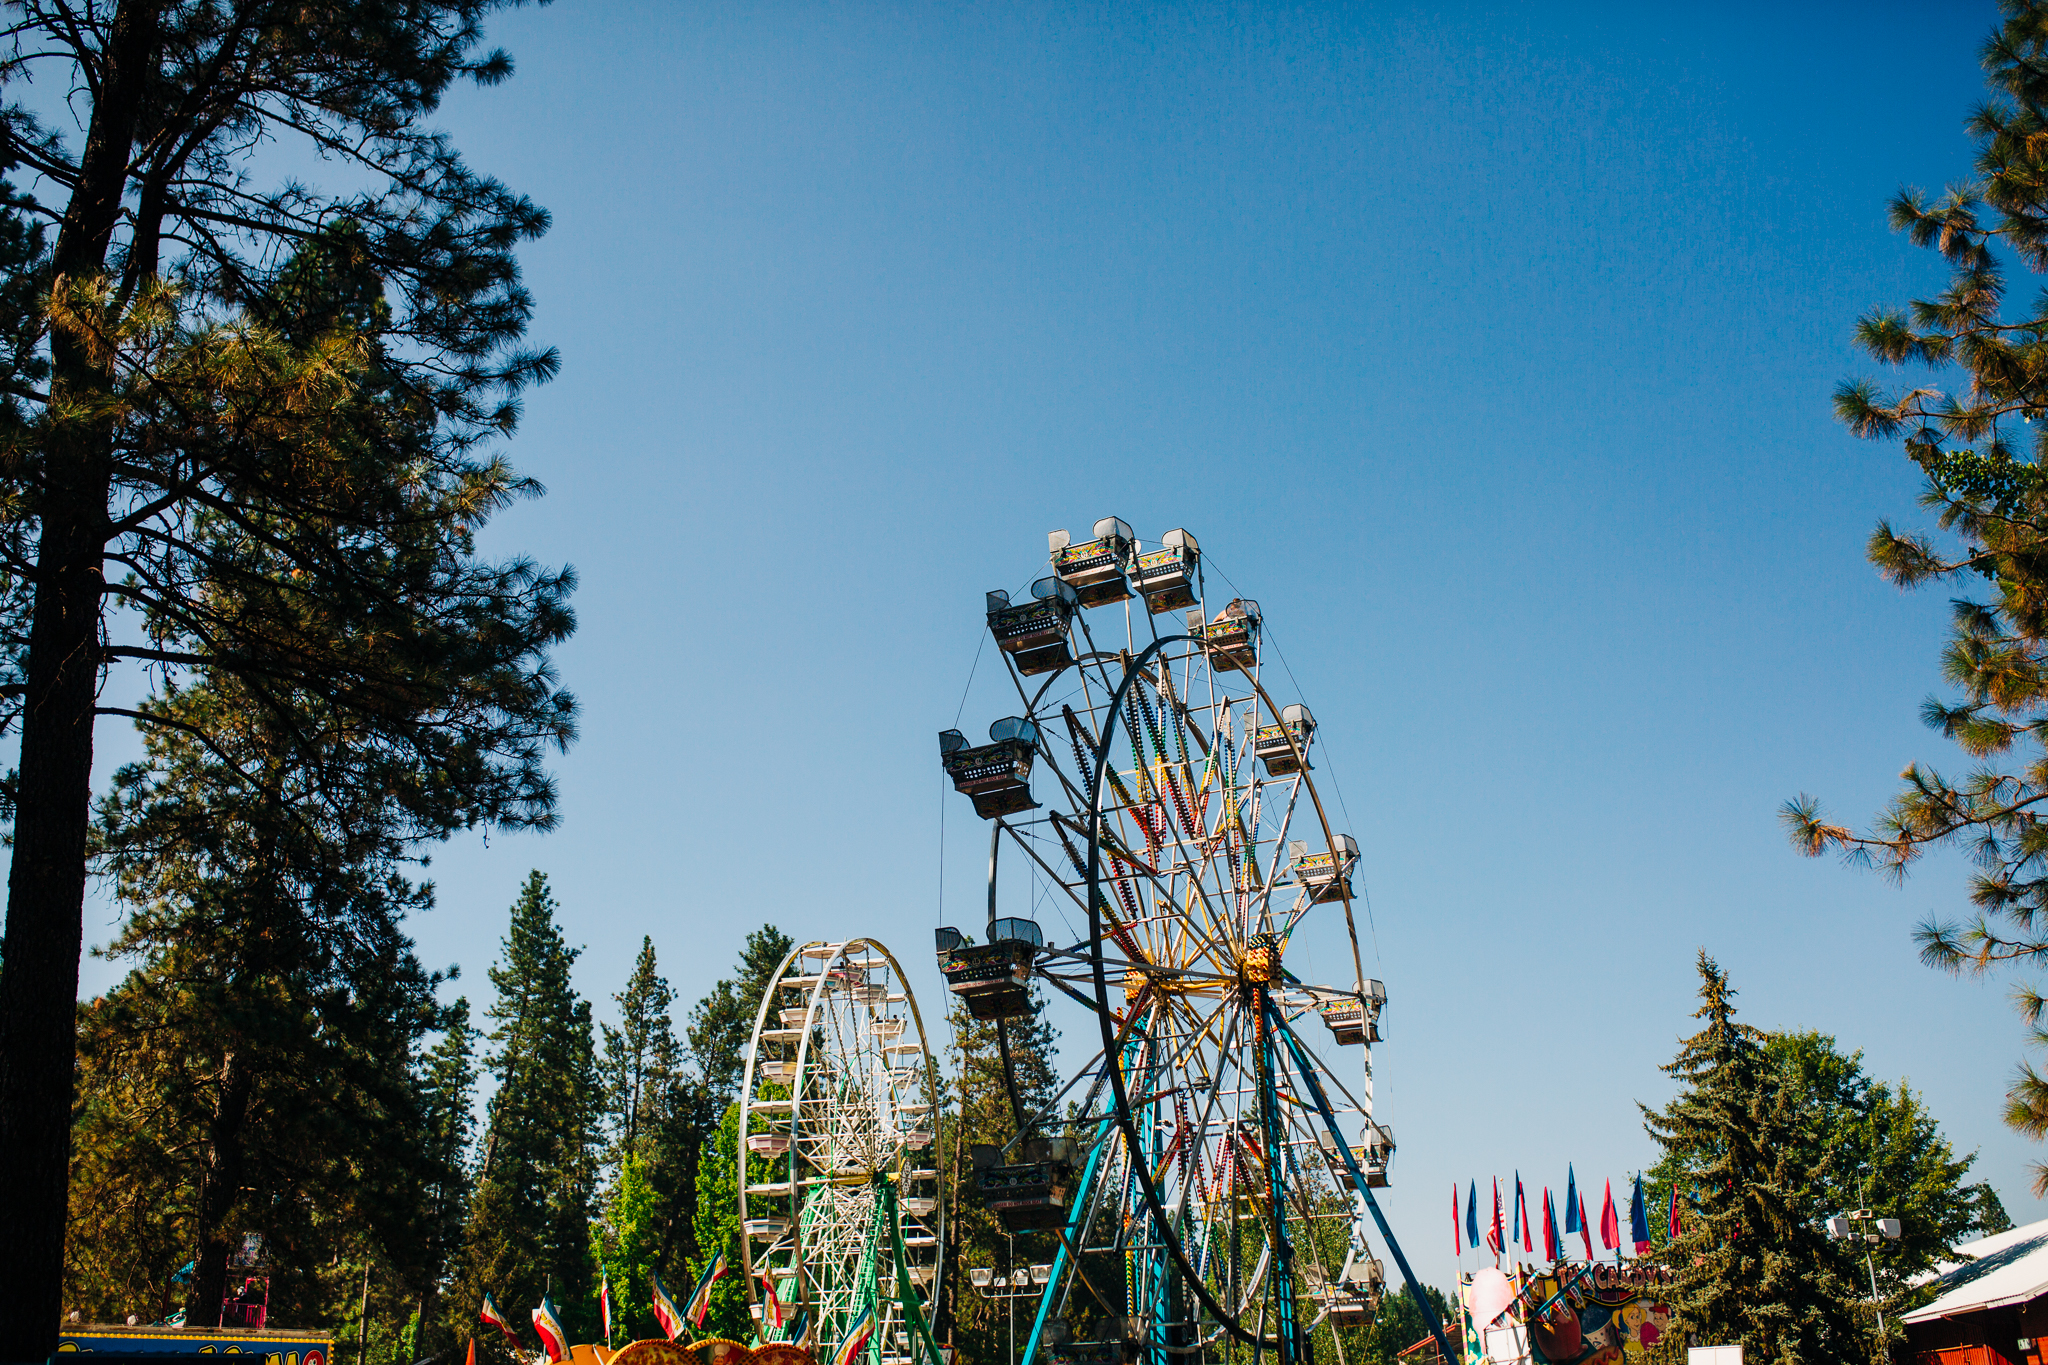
1973	426
199	476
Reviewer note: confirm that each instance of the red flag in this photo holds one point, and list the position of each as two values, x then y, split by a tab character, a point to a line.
1610	1224
1585	1228
1672	1228
1457	1237
472	1352
1496	1238
1549	1229
1522	1212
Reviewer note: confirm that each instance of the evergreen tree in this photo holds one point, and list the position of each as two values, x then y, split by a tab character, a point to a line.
1974	426
723	1021
447	1084
1754	1264
165	418
529	1220
642	1063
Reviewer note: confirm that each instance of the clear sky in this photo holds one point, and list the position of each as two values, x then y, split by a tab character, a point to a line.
1489	349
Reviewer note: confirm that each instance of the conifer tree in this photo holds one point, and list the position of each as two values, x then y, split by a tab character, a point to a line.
162	414
1754	1265
642	1062
529	1221
723	1020
1976	425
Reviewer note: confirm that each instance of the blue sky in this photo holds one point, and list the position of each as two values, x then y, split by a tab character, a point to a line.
1490	349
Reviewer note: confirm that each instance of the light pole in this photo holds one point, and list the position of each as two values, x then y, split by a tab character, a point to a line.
1855	1227
1020	1283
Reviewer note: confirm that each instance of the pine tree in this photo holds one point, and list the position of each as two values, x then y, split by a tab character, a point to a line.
1974	425
723	1021
529	1222
1754	1265
164	415
447	1083
641	1063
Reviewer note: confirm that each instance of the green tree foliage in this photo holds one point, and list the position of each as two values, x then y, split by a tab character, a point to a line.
626	1245
1967	426
1754	1264
723	1021
182	453
642	1063
1869	1145
273	1014
1400	1325
718	1228
529	1220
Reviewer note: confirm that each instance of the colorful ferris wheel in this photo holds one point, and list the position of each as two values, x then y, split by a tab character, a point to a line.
1202	1184
838	1193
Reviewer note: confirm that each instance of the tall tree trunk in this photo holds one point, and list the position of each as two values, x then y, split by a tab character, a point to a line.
220	1180
46	884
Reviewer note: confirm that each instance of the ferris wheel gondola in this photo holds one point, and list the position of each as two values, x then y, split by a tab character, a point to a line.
1152	782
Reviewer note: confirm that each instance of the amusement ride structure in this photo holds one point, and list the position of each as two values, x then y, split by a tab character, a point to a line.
840	1218
1203	1182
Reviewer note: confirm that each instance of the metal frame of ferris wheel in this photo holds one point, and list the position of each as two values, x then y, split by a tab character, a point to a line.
1206	939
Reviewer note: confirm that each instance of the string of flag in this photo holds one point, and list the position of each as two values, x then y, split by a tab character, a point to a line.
1501	1236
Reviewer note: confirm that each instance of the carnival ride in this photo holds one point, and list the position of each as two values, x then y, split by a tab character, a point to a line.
1206	1175
838	1192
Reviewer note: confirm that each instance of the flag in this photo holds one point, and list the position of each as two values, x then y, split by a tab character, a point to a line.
700	1297
1672	1226
665	1308
1472	1217
552	1337
800	1329
773	1309
1571	1200
604	1306
470	1359
1610	1224
1522	1214
1585	1228
1496	1237
1638	1219
1551	1243
856	1338
491	1315
1457	1242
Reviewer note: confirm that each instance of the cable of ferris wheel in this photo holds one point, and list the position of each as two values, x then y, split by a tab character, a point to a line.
1337	782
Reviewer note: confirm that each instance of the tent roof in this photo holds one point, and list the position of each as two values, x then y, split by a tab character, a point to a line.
1996	1271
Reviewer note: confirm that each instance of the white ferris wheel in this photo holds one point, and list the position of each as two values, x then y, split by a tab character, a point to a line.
838	1189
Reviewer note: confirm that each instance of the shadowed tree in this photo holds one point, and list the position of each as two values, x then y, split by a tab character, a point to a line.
163	414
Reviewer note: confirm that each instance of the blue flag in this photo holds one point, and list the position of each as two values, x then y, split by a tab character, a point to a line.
1571	1200
1472	1218
1638	1219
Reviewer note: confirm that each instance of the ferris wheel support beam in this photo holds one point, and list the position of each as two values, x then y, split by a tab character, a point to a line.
1146	1186
1315	1090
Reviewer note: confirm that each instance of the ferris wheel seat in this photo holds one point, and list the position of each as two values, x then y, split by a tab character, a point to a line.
1349	1025
1232	639
1035	633
1326	875
1283	747
1094	569
766	1229
997	776
1165	577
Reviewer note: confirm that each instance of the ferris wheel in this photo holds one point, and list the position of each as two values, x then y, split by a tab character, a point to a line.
1201	1183
838	1192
